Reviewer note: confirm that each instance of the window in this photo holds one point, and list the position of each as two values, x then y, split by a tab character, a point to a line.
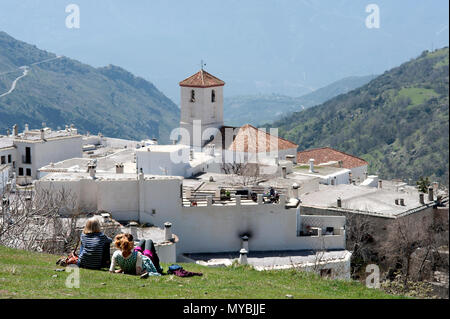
9	158
3	160
192	96
20	171
28	171
213	96
27	158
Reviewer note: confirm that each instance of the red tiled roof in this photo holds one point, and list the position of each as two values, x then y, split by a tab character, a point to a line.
328	154
249	139
202	79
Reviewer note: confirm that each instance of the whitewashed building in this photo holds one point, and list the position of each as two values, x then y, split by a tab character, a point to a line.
209	226
175	160
28	151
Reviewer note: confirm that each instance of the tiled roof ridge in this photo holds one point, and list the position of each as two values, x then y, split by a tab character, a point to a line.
200	79
249	125
328	147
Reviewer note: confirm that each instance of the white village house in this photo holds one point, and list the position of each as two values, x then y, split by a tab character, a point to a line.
26	152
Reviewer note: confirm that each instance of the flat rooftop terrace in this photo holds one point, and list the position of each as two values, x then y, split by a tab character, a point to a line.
366	199
106	163
6	142
75	176
320	171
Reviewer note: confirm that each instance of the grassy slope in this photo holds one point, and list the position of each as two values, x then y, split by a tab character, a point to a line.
29	275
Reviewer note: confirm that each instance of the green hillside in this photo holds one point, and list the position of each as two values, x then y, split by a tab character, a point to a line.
398	122
25	274
62	91
259	109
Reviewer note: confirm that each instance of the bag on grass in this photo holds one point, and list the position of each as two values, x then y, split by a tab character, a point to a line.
177	270
69	260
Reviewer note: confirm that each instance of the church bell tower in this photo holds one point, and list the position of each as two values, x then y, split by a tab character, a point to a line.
201	107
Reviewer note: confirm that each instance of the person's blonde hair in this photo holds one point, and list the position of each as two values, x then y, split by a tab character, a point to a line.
92	226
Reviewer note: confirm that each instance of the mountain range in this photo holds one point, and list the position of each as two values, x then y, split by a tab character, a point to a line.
37	86
398	122
259	109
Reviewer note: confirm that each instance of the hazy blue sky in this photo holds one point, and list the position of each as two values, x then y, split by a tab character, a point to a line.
256	46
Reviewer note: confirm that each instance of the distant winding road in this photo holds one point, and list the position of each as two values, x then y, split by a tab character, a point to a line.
26	70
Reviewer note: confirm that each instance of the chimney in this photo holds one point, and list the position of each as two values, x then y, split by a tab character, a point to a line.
435	187
168	231
295	188
243	257
26	128
311	165
339	202
430	194
91	169
133	230
283	171
119	168
42	134
8	132
380	184
245	242
421	198
15	130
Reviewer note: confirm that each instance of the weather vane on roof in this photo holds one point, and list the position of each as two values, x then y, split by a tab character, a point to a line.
202	64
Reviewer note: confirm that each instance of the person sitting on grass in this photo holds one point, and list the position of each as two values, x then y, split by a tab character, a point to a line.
94	249
130	261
